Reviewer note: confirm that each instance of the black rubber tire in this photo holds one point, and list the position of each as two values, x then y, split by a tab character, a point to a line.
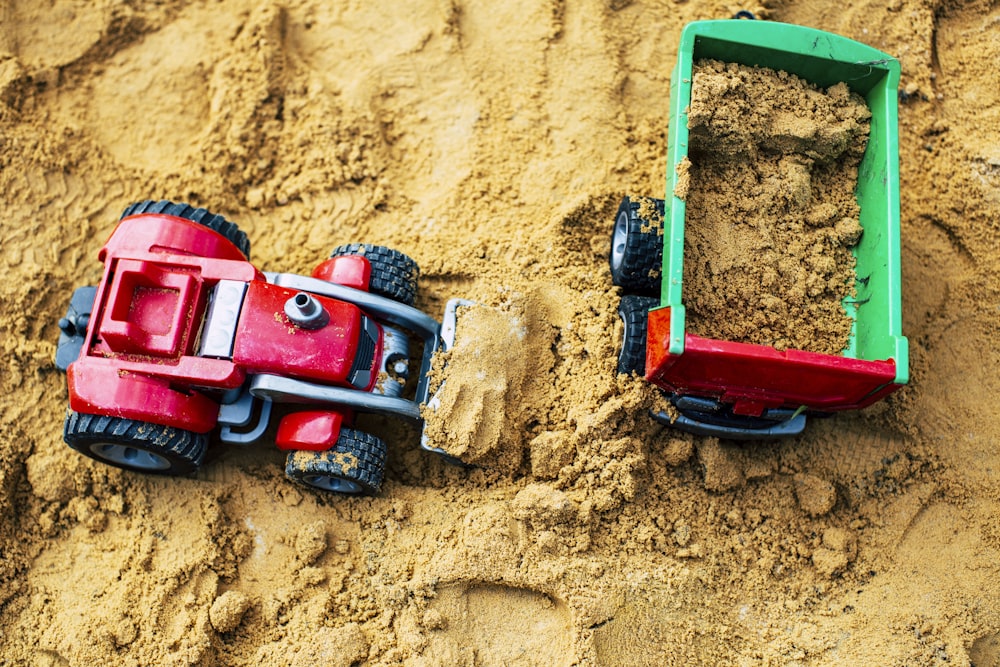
355	465
634	311
636	256
216	223
135	445
394	275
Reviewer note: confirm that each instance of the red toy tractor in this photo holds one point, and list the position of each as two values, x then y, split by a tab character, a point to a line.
183	335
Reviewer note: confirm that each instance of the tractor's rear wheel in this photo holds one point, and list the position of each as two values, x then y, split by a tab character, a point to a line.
216	223
135	445
636	256
634	312
355	465
394	275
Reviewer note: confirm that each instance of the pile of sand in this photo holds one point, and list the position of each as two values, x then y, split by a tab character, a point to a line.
771	215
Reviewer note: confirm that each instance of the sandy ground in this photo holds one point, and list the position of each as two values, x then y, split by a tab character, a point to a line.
492	144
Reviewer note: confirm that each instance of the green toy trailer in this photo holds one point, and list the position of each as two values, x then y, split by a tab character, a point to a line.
739	390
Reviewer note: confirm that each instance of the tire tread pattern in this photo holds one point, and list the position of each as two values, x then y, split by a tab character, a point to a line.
634	312
216	223
184	449
642	260
394	275
357	456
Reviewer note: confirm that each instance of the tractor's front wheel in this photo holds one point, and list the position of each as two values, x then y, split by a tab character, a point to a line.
394	275
355	465
135	445
634	312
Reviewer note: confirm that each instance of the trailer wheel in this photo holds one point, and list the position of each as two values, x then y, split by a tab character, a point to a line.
636	255
394	275
633	311
135	445
216	223
354	465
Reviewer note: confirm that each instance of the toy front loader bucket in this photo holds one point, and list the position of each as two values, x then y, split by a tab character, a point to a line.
446	340
876	360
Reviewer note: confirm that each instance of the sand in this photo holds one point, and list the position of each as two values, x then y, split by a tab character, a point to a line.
492	145
771	216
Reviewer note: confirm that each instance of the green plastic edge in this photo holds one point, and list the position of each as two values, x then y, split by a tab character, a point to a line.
824	59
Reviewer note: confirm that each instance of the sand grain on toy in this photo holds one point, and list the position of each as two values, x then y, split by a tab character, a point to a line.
492	144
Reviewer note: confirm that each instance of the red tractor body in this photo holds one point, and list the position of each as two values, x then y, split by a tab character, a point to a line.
143	358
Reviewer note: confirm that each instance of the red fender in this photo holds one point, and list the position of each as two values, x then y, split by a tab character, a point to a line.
348	270
101	389
312	430
158	233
